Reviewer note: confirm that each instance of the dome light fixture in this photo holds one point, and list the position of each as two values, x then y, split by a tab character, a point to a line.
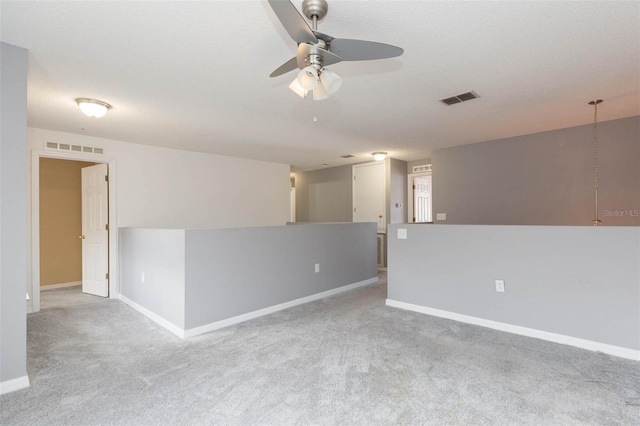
93	107
379	155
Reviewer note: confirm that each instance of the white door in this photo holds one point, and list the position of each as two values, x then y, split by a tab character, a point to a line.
422	199
369	194
95	234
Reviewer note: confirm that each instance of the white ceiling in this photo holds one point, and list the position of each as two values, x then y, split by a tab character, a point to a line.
195	75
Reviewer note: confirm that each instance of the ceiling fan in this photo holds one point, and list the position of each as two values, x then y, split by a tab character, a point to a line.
317	50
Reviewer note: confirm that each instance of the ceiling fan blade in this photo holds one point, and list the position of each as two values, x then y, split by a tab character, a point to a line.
362	50
290	65
305	50
292	21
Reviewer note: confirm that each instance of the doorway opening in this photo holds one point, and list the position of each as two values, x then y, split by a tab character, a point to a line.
420	198
60	257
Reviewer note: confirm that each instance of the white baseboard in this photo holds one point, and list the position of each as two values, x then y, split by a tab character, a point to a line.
271	309
61	285
240	318
153	317
14	384
523	331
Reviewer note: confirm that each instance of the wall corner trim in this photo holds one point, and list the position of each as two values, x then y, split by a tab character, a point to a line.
522	331
14	384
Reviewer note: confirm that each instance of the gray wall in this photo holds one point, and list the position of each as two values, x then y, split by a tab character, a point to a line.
230	272
13	212
575	281
324	195
542	179
159	255
197	277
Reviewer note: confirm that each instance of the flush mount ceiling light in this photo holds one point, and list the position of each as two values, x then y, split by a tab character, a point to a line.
93	107
315	50
379	155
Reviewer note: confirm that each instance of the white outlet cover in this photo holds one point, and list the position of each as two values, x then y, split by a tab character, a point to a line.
500	286
402	233
441	216
317	268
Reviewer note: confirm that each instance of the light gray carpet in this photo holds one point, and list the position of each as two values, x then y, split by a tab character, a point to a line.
346	360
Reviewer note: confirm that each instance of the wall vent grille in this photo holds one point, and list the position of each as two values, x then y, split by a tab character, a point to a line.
422	169
460	98
55	146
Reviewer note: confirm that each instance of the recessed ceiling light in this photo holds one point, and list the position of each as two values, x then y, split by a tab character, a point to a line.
93	107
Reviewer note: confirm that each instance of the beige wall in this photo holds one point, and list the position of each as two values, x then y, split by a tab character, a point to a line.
60	221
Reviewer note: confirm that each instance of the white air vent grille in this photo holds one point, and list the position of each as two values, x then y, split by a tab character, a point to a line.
422	169
55	146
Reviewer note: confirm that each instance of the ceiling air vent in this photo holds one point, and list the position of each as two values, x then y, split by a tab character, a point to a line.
422	169
460	98
55	146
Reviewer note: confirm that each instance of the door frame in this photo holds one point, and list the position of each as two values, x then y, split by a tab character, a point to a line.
410	193
35	220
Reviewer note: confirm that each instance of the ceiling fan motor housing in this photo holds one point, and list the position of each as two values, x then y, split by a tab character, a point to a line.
317	8
315	59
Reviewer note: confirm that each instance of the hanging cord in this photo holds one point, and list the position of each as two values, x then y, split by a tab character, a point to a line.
595	153
596	221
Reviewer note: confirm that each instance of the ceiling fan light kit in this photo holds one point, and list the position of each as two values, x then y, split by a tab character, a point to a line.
315	50
308	78
297	89
320	93
331	81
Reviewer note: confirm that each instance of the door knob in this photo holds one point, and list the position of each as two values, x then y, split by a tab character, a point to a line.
380	216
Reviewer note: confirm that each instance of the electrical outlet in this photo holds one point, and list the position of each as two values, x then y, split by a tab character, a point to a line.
317	268
441	216
500	286
402	233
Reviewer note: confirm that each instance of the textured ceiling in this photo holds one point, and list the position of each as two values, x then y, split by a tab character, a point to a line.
195	75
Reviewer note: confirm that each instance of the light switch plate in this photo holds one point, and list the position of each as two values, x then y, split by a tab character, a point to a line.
402	233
